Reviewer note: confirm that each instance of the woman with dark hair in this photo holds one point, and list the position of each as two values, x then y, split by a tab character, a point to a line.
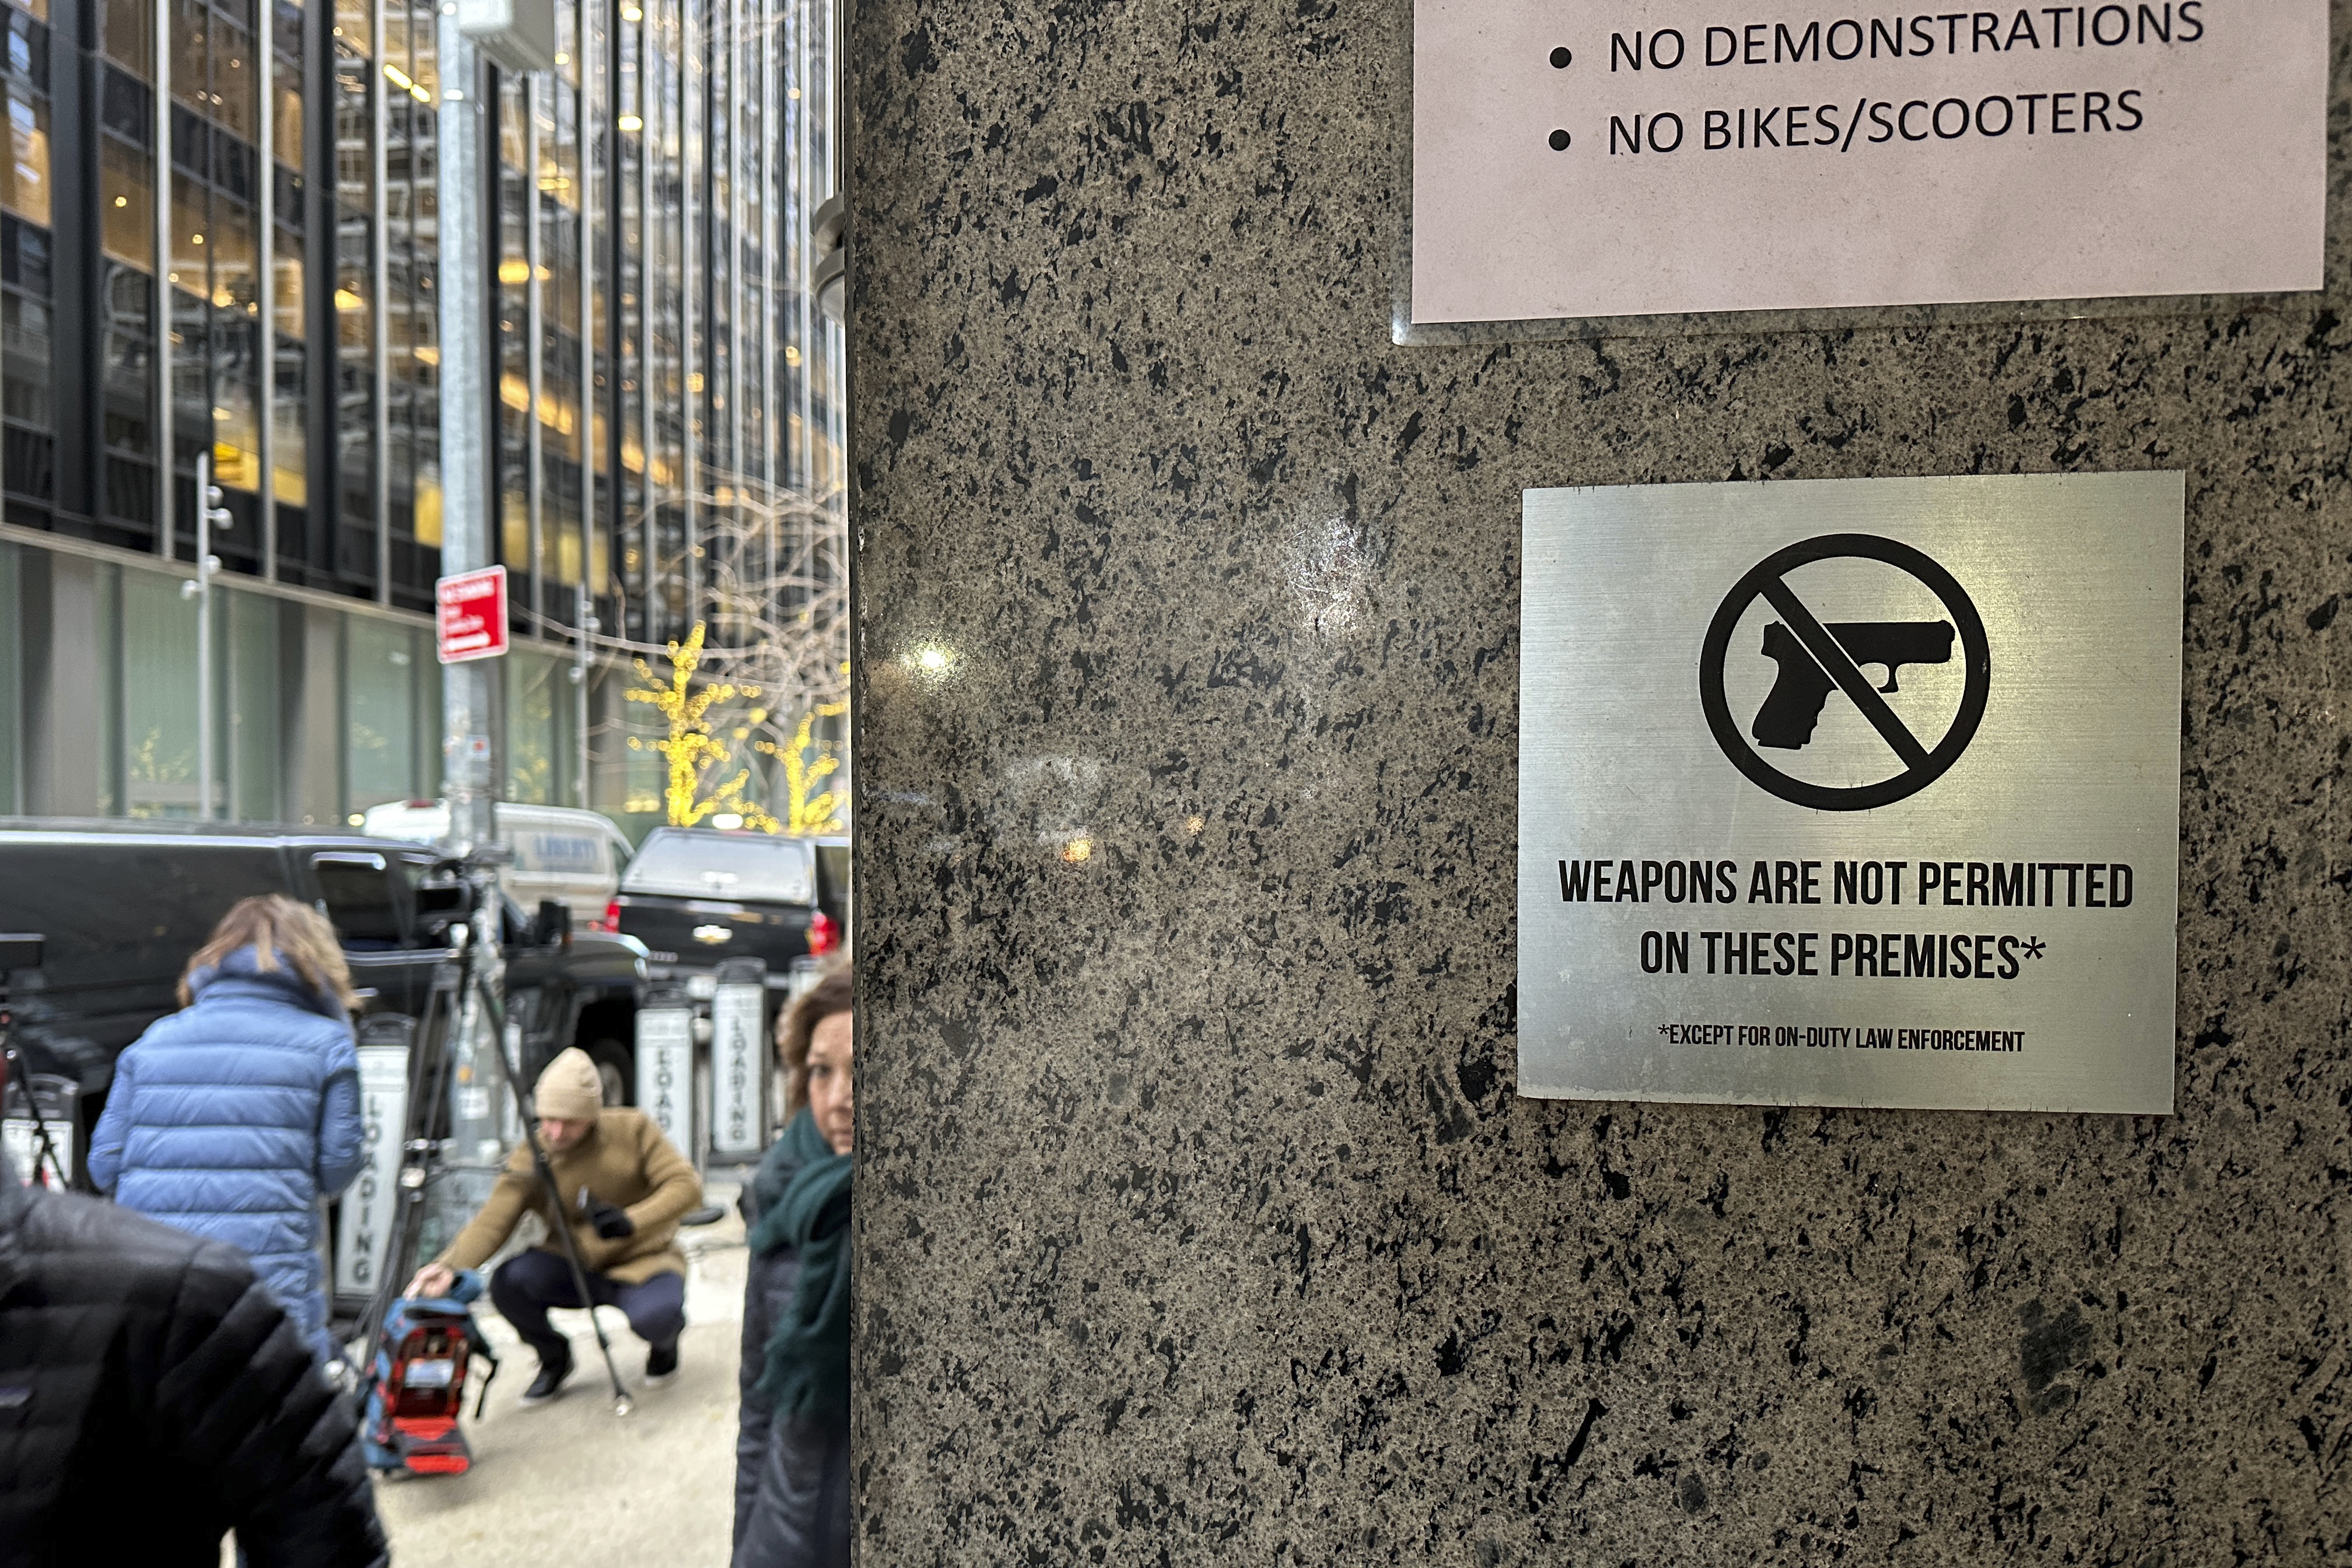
792	1446
234	1116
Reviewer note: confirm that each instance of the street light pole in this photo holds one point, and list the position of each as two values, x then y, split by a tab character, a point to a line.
588	629
210	514
470	782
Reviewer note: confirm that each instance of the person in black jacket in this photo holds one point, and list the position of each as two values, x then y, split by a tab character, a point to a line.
153	1396
792	1443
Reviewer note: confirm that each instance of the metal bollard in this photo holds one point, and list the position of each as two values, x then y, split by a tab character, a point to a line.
666	1066
739	1060
368	1212
58	1101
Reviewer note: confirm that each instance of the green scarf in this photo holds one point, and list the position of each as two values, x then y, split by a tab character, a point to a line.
804	1188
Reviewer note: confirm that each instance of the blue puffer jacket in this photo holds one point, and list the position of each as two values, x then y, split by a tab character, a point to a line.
232	1118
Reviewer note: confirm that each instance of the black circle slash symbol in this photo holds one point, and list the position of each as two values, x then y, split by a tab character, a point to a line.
1922	765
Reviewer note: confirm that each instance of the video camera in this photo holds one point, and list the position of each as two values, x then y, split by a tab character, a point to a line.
454	886
461	878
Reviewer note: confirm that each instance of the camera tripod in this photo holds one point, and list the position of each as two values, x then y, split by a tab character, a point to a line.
22	950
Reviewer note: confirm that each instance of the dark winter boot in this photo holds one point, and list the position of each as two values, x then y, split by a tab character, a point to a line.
661	1364
552	1371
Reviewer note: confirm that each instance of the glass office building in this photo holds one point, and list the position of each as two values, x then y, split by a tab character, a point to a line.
665	388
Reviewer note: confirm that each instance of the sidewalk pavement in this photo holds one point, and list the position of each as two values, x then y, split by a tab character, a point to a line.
570	1483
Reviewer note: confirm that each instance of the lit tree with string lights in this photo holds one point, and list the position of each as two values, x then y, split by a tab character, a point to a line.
756	677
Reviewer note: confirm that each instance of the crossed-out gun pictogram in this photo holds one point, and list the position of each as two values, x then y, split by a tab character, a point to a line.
1794	706
1813	657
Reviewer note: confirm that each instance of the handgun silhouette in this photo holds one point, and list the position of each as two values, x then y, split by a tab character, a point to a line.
1794	706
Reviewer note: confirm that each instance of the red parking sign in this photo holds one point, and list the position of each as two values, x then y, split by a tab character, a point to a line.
472	616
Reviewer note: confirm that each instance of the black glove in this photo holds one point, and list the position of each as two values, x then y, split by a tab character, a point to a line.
611	1221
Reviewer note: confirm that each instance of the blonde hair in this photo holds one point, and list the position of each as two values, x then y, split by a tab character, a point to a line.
276	927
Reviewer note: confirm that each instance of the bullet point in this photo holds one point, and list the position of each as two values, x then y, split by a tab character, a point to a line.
1559	58
1560	140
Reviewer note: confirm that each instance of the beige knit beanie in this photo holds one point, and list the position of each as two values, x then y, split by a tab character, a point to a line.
570	1090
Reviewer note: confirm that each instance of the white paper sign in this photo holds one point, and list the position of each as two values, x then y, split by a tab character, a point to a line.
1653	157
371	1204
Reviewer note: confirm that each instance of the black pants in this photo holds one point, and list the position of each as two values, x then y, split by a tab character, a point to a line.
529	1283
799	1515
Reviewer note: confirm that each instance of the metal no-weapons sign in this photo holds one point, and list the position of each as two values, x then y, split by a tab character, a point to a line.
1852	792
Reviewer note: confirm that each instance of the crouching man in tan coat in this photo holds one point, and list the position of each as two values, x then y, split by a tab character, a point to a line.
623	1189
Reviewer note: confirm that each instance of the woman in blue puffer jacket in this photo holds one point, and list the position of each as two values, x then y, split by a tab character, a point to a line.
233	1117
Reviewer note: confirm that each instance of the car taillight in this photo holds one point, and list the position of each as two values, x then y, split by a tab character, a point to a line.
612	918
823	934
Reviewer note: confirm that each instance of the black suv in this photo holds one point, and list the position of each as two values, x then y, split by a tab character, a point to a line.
122	905
696	896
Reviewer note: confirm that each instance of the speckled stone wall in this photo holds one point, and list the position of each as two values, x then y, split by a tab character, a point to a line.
1198	1221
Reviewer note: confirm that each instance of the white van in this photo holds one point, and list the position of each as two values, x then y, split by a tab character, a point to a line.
560	852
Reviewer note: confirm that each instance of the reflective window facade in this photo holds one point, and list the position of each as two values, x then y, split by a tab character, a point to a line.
656	271
666	387
220	237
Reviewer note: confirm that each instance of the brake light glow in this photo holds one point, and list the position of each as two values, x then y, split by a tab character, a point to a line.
823	934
